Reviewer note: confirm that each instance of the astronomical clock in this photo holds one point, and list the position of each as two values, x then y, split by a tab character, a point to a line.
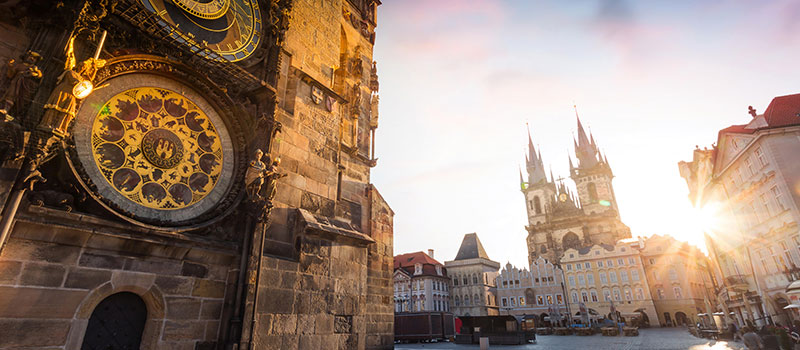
231	28
159	141
154	150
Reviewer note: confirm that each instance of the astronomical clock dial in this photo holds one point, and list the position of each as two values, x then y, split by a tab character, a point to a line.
154	149
231	28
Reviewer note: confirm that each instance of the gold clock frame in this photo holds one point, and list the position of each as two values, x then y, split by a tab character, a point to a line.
136	70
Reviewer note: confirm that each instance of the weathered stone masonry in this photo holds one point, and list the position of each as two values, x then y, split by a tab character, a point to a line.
317	273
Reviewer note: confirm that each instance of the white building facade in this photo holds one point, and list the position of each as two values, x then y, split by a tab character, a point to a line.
539	291
420	283
752	180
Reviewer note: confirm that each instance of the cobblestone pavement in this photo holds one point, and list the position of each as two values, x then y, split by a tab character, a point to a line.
649	339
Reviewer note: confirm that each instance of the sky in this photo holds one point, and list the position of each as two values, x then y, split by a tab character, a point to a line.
459	80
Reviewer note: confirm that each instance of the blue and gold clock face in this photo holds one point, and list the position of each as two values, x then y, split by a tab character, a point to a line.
230	28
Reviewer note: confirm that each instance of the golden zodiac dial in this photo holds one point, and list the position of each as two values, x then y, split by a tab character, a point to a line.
157	148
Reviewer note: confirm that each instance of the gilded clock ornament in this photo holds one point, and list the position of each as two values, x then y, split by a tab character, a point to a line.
157	148
154	150
231	28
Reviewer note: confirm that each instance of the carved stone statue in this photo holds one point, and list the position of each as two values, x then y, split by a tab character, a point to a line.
373	77
18	84
254	178
374	102
356	99
61	107
272	178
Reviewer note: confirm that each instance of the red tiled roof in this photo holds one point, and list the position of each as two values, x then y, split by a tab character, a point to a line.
410	259
782	111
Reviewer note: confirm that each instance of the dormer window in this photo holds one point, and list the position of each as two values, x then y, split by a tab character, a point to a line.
417	269
438	270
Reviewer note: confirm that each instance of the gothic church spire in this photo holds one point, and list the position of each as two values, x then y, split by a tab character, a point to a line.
534	163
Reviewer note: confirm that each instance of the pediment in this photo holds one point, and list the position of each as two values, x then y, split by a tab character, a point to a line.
730	146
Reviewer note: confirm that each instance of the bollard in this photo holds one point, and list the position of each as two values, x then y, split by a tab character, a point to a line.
484	341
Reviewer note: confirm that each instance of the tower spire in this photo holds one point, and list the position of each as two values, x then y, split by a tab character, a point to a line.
534	163
585	150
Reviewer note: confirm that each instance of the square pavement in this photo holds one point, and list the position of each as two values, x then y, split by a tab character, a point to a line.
650	339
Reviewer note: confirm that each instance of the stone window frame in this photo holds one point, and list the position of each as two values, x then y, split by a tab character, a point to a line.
761	157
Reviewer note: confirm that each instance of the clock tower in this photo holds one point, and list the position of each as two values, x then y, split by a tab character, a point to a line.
185	174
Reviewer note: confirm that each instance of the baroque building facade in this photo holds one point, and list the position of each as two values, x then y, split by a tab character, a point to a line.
559	219
539	291
420	283
608	278
473	274
748	182
205	167
679	277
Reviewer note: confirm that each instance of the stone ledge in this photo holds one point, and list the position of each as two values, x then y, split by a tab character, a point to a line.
332	229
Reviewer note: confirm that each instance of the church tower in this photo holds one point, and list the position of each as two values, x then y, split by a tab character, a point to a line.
539	192
592	175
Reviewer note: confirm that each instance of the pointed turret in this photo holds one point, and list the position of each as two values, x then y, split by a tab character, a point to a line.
534	164
585	150
521	180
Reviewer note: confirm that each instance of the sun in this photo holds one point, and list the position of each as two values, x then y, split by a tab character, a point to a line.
707	218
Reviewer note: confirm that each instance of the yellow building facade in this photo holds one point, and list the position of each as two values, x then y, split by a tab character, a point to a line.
679	279
604	274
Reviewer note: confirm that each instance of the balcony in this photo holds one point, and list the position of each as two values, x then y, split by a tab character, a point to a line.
737	283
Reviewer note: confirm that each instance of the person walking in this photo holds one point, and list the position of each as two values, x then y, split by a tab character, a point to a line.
751	340
734	331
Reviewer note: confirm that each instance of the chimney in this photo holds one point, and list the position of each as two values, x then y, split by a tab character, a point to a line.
430	253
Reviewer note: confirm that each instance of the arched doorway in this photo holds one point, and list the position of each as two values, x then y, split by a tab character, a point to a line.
680	319
645	319
116	323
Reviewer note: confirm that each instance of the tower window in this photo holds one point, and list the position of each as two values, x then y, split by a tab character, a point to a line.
537	205
592	191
